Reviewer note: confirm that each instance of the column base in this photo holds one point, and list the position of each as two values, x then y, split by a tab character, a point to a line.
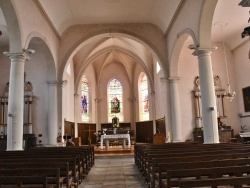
15	150
50	145
61	144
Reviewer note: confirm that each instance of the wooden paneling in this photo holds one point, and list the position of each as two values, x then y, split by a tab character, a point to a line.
121	125
86	130
144	131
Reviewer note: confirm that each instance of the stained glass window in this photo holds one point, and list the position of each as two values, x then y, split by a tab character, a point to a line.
85	99
115	107
144	98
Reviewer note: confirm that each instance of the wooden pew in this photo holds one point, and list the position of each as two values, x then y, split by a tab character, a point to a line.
185	158
174	176
38	181
63	166
232	181
52	174
164	167
163	150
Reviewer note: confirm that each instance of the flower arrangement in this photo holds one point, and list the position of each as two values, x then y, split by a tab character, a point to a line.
243	128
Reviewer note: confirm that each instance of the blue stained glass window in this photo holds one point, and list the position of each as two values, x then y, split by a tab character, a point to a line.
85	99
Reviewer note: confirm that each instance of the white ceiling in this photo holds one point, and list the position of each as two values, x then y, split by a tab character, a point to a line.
236	17
65	13
71	12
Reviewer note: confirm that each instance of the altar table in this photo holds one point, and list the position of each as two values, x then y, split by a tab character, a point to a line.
119	136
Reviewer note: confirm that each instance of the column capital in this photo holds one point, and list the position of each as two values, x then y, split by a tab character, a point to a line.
174	79
76	95
98	99
19	55
201	50
131	99
52	82
163	80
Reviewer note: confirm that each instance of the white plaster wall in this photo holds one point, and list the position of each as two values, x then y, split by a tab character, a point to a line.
219	68
36	70
160	94
242	72
188	70
4	70
68	95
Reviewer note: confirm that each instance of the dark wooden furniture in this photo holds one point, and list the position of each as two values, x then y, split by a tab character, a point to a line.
121	125
69	128
160	126
144	131
86	132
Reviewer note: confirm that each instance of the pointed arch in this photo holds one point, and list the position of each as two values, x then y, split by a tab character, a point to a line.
14	32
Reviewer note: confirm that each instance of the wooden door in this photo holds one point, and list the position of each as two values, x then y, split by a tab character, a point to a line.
69	129
144	131
160	126
86	131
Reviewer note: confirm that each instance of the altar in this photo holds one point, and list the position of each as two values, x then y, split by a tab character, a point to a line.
245	136
124	137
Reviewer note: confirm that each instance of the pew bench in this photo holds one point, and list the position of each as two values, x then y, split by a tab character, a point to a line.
164	167
173	177
52	174
65	173
19	181
154	163
238	182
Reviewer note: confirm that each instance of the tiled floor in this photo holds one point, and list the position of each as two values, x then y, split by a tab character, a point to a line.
117	171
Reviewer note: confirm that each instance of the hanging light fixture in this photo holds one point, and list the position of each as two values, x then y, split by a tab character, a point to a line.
229	94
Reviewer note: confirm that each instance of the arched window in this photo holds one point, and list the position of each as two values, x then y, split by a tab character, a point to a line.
144	101
85	99
115	105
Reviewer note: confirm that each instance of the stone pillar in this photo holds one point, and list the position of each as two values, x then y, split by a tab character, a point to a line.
52	112
98	113
208	100
77	113
132	111
175	109
16	101
153	112
2	115
30	100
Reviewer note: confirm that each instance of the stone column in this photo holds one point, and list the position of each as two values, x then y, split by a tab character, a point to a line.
52	112
77	112
132	111
2	115
98	114
16	101
153	113
30	100
175	109
208	100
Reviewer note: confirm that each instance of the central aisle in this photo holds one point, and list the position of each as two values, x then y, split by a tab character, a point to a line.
118	171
